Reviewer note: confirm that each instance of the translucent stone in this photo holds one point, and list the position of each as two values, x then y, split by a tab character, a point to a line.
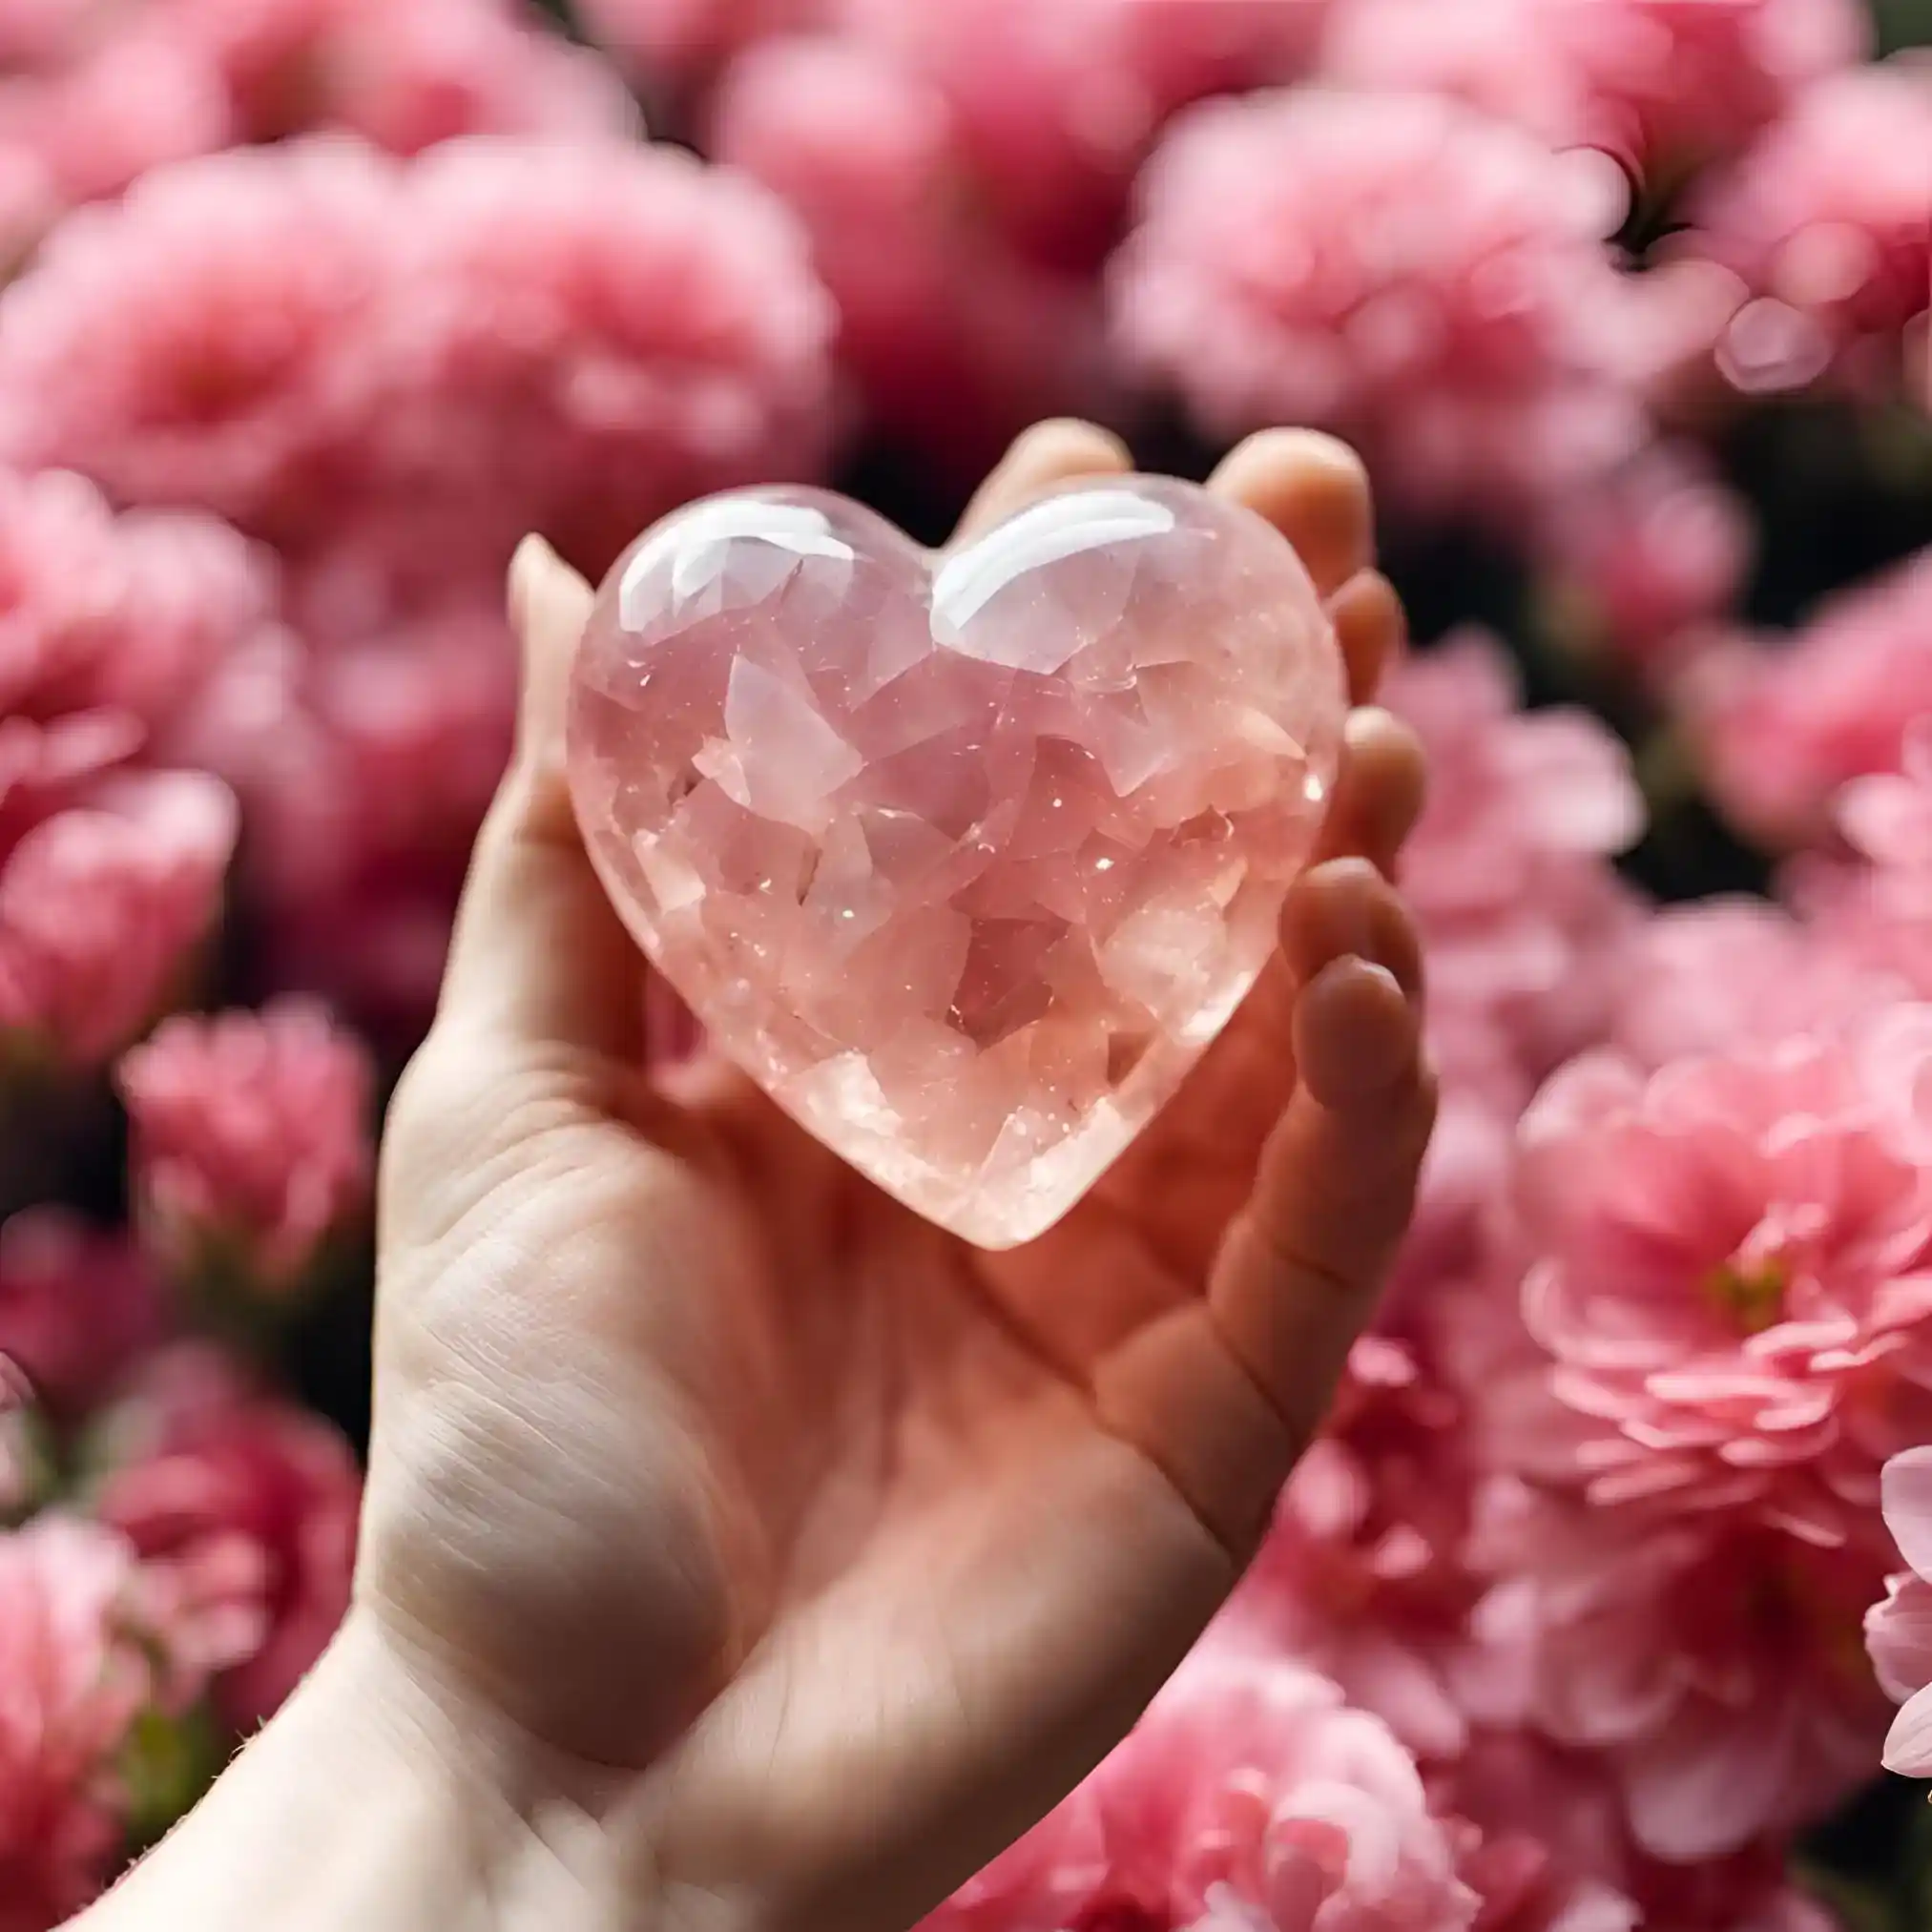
966	858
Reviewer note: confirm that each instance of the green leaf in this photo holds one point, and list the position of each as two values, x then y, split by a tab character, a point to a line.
166	1764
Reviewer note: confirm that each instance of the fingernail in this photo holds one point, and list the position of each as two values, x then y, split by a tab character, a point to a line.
529	557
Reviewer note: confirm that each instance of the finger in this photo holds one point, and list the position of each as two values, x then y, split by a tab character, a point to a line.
1372	629
1314	491
538	955
1221	1392
1049	453
1380	791
1346	909
1300	1268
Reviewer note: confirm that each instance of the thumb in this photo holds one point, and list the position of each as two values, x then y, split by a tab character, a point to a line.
538	957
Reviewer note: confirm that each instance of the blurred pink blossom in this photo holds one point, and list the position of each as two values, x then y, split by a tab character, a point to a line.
126	620
1875	909
1825	219
1751	1891
1728	1263
1247	1795
130	100
1520	913
1662	85
41	34
205	341
1635	565
1507	869
1362	1575
1429	283
591	337
405	78
90	99
78	1307
314	334
102	907
1899	1629
251	1140
243	1508
952	337
1538	1836
1733	972
1056	106
72	1659
1779	729
28	202
672	44
365	758
1713	1663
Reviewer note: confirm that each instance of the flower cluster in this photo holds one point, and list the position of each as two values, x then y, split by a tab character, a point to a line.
384	372
1595	1593
89	106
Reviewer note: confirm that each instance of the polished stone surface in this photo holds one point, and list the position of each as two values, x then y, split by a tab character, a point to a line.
965	858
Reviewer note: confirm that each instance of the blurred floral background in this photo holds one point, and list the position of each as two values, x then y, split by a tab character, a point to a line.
1592	1609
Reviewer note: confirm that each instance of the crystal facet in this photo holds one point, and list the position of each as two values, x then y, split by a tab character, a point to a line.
966	858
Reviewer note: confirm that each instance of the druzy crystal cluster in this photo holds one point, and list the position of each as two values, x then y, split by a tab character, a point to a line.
965	858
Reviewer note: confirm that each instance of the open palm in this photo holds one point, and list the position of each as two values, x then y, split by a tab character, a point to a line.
813	1553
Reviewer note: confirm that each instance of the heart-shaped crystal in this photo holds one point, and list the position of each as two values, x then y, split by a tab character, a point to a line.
965	858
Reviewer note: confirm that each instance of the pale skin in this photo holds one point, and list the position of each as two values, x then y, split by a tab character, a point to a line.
739	1551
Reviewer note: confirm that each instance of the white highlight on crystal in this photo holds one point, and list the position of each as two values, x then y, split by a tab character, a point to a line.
698	547
1060	528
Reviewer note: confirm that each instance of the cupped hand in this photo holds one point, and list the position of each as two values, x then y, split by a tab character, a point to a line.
805	1554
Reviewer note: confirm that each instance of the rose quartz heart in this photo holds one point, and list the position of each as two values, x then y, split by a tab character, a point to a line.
965	858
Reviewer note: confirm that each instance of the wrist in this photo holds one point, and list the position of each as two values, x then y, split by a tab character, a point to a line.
369	1801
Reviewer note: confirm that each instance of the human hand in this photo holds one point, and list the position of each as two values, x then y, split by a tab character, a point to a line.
768	1556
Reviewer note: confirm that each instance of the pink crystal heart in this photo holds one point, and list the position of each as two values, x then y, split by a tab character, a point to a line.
965	858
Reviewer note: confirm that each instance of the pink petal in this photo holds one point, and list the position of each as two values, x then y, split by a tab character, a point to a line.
1908	1507
1899	1637
1909	1744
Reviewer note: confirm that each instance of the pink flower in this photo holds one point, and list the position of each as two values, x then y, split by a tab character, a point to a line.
135	613
1538	1833
365	758
1725	973
1509	872
1429	283
1899	1630
41	34
245	1510
953	339
251	1140
203	340
124	102
102	907
673	43
408	78
1249	1795
1780	732
1887	817
1825	221
1362	1577
71	1659
1876	911
1731	1270
1713	1662
1634	565
1752	1891
593	336
77	1308
28	202
1055	107
1520	915
1662	85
